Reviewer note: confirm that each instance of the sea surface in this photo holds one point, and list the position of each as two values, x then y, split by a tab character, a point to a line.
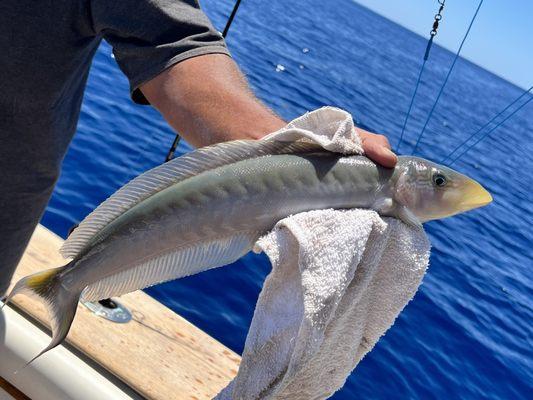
468	332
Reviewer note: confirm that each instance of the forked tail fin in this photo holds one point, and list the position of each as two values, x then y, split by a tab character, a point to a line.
61	303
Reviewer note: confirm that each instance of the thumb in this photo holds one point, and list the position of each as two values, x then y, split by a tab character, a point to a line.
380	154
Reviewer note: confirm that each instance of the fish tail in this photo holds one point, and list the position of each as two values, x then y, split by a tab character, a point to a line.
60	302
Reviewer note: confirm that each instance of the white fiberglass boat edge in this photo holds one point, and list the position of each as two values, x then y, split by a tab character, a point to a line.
59	375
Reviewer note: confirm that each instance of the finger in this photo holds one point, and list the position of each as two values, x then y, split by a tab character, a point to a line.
385	141
380	139
376	137
380	153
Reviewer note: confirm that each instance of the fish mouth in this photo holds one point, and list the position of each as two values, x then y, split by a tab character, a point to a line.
474	196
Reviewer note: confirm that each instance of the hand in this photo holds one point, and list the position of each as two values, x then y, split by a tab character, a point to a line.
377	148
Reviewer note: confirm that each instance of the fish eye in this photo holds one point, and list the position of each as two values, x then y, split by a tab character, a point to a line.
439	180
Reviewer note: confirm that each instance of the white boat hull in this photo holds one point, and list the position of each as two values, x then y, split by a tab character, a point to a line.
58	375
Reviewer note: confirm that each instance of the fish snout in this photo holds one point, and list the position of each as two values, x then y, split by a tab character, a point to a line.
473	195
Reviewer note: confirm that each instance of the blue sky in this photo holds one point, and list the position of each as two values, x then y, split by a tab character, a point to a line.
501	39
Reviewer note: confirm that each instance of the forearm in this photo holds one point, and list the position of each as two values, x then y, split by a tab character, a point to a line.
207	100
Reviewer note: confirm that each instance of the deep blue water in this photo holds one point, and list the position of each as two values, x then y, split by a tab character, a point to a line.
468	332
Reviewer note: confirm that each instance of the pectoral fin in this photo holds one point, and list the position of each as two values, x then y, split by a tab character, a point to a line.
408	217
384	205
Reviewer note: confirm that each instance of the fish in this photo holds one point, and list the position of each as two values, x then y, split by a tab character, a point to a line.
207	209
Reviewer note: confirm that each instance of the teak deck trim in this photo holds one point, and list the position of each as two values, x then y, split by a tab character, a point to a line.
158	354
11	390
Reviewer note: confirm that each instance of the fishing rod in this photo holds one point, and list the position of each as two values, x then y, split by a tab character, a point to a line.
109	308
231	17
177	139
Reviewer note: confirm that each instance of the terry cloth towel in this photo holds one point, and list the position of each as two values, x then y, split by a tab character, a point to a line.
339	279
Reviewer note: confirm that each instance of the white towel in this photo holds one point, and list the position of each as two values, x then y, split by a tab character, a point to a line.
339	279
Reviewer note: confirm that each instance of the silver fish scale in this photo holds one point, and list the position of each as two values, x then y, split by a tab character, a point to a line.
215	218
170	173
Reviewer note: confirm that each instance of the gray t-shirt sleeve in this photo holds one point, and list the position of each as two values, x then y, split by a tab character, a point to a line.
149	36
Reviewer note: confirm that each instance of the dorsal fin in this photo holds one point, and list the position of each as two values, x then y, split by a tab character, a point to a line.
163	176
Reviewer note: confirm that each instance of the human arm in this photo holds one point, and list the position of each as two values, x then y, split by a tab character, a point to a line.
179	63
207	100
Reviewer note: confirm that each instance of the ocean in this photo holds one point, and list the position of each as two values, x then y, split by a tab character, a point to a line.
468	332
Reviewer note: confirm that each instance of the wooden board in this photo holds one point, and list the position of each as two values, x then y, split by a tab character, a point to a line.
10	392
5	395
159	354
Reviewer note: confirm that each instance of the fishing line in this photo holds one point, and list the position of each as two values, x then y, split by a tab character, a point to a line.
487	124
490	131
432	34
446	79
